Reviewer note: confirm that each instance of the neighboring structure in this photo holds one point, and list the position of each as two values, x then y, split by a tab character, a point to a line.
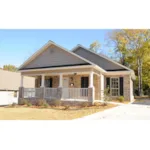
9	86
79	74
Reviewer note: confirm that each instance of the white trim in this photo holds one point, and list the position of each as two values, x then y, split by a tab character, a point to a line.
57	74
44	48
118	73
57	68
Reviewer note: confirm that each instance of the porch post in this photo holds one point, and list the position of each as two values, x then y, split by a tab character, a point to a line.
91	89
43	81
42	87
60	87
102	87
21	89
91	79
60	80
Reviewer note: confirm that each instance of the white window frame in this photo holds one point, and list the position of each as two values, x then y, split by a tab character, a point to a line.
115	88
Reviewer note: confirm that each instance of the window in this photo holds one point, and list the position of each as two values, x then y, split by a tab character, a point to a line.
114	86
84	82
48	82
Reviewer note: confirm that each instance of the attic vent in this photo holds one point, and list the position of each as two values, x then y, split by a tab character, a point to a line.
51	51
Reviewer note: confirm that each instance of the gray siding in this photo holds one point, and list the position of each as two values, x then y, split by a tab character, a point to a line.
100	61
54	56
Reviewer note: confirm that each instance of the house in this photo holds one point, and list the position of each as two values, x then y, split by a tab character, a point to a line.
79	74
9	86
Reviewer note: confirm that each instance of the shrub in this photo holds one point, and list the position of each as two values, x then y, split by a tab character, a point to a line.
46	105
149	92
29	104
13	104
121	99
85	104
41	102
23	102
106	96
96	104
55	102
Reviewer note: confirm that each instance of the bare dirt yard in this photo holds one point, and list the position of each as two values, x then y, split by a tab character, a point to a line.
28	113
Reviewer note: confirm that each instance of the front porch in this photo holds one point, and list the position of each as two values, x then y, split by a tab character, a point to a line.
78	86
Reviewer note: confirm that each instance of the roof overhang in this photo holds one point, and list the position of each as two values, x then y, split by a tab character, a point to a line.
57	68
121	73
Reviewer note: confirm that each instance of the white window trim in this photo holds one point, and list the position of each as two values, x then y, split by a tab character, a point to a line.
115	88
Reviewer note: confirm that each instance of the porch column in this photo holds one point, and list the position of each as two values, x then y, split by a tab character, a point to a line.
21	89
91	80
102	87
60	80
60	87
91	89
43	81
21	83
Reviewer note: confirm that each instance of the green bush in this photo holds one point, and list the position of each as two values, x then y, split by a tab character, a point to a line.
149	92
55	102
45	105
85	104
29	104
120	99
41	102
23	102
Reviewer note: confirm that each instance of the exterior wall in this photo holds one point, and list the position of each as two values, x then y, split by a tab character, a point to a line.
55	83
126	87
100	61
54	56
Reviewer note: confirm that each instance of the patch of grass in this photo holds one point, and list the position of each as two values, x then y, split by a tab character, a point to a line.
26	113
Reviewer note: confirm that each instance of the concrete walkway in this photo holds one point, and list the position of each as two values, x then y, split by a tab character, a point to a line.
122	112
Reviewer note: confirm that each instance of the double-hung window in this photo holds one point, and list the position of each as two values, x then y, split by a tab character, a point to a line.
114	86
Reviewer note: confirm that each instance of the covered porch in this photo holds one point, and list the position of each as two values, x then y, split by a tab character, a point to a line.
85	84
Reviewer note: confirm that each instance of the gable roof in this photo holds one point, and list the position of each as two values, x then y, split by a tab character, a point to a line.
108	59
102	56
42	49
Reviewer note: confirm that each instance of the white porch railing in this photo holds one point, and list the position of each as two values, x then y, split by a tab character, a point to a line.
32	92
50	93
75	94
72	94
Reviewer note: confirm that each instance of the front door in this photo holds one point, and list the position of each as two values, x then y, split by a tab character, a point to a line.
65	87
